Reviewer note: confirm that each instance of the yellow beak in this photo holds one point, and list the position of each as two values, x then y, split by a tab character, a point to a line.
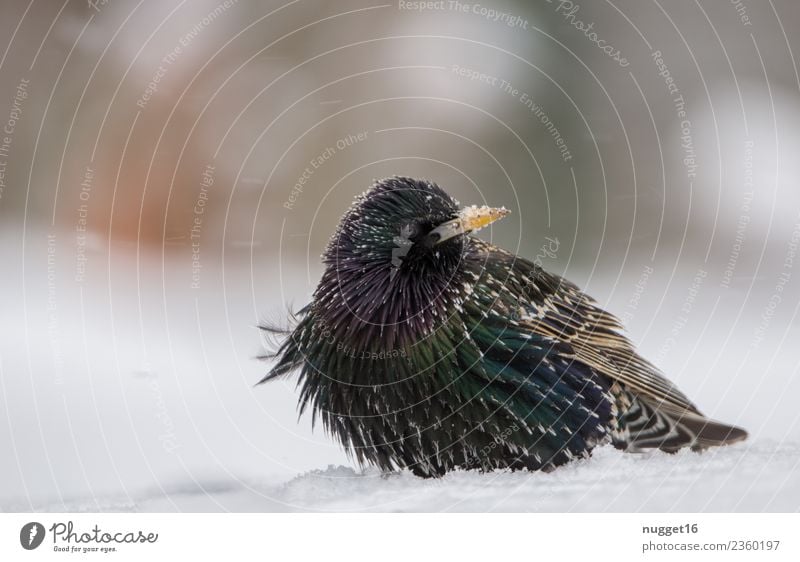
470	219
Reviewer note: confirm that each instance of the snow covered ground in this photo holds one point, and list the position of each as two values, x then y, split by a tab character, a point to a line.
757	477
130	391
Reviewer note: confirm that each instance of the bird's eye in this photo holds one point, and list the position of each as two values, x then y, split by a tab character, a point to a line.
409	230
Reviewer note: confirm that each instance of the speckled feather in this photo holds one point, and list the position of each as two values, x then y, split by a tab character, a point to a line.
467	356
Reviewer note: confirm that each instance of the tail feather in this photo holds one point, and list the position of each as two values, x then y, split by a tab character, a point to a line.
710	433
647	424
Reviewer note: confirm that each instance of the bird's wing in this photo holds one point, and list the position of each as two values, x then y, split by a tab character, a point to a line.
659	415
653	413
555	308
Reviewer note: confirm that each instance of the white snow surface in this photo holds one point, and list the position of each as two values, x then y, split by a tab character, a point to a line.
135	393
753	478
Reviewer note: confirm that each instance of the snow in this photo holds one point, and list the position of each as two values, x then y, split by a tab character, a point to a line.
756	477
134	393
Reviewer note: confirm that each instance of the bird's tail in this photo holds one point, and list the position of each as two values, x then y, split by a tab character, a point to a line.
649	424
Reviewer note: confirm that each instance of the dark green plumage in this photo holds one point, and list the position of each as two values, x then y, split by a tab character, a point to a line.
429	349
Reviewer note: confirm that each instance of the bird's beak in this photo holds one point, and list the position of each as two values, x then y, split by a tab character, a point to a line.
469	219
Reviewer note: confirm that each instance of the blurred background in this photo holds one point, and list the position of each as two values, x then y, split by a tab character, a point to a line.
171	171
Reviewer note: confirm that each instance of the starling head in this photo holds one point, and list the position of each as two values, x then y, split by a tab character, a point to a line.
405	226
394	264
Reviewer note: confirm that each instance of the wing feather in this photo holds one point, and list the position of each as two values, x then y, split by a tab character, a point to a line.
653	412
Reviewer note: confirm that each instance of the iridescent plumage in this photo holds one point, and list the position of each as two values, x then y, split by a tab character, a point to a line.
434	354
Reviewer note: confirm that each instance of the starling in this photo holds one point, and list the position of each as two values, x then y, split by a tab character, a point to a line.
428	349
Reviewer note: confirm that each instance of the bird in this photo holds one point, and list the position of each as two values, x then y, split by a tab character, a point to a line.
425	348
